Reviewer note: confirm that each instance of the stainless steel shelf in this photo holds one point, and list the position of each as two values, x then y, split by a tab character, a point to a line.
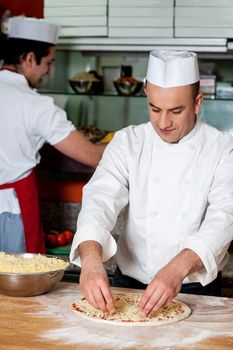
89	95
70	93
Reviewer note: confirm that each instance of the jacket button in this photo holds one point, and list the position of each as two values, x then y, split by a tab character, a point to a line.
187	182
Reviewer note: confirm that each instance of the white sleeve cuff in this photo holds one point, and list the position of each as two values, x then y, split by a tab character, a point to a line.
210	270
92	233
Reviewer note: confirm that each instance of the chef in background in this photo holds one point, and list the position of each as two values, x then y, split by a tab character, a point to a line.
27	121
174	175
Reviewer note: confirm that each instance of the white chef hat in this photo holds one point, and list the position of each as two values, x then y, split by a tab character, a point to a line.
172	68
21	27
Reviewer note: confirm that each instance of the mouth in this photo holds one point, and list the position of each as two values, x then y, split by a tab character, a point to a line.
166	131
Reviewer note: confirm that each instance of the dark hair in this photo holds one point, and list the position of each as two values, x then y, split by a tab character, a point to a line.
195	89
13	50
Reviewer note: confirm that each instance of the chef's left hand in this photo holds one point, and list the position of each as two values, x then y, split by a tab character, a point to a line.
163	288
168	281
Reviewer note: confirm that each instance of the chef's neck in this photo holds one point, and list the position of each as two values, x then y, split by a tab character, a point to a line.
10	67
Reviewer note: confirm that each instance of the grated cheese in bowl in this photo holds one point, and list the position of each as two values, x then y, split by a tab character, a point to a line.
27	274
30	263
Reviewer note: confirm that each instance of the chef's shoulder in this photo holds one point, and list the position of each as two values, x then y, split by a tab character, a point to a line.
223	140
133	134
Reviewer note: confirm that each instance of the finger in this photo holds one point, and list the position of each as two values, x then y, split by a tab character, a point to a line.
109	299
162	302
99	299
155	297
145	297
146	300
90	298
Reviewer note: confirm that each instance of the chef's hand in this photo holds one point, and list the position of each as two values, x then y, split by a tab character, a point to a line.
94	281
162	289
168	281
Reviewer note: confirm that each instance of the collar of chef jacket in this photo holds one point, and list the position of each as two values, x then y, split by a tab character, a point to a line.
14	77
190	138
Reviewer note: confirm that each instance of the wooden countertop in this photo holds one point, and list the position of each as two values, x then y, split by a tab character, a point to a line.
47	322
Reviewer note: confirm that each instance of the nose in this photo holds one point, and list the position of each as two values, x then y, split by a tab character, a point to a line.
50	70
164	121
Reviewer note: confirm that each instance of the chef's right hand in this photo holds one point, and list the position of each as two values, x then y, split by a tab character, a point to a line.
95	286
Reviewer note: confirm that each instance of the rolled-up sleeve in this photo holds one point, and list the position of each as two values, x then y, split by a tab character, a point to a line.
103	198
215	234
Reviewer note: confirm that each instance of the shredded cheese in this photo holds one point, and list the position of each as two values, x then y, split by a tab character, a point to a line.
126	306
38	263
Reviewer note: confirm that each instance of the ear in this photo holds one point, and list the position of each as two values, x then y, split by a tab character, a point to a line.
29	60
198	102
145	86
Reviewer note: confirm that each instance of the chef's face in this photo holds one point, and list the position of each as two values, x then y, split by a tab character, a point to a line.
38	71
172	111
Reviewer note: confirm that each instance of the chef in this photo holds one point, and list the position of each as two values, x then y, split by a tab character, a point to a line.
27	121
174	177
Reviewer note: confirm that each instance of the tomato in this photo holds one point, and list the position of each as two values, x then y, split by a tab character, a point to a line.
68	235
61	239
52	240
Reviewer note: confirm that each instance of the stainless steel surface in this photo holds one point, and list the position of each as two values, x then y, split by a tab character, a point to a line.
127	88
28	284
85	86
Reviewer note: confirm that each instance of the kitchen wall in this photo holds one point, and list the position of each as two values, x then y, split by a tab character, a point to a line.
115	112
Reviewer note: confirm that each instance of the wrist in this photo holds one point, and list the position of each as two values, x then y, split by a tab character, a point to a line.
185	263
90	253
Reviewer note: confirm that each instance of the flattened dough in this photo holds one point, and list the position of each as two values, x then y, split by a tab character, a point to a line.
127	311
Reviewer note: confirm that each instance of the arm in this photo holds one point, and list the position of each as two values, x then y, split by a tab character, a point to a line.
215	232
202	253
167	282
93	279
50	122
103	198
77	147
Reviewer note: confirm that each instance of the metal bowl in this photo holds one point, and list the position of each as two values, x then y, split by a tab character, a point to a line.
128	88
29	284
86	86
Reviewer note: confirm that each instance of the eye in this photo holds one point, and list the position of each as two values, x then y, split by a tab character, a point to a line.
176	111
155	110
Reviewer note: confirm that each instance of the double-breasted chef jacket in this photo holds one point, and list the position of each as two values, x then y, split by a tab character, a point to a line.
177	196
27	121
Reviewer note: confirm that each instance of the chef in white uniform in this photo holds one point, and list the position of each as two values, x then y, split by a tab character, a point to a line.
27	121
175	176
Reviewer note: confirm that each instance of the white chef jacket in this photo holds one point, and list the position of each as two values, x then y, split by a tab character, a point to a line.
27	121
178	196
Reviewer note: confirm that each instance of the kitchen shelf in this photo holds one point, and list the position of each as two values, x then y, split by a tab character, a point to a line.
105	94
107	44
116	95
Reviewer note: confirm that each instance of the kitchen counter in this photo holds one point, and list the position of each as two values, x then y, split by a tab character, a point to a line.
47	322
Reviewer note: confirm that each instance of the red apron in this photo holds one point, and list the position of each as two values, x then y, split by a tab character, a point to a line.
26	190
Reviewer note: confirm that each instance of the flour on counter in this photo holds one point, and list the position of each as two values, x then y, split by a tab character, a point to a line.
203	324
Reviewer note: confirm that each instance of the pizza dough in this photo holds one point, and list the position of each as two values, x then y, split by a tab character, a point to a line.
127	311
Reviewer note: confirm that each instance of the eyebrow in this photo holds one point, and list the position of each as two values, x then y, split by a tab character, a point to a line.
170	109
